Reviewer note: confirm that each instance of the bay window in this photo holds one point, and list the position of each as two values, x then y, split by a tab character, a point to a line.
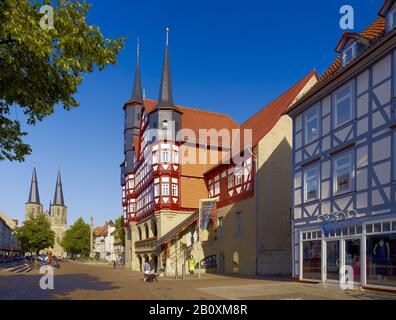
231	181
311	177
343	174
165	189
156	190
165	156
175	190
343	105
311	125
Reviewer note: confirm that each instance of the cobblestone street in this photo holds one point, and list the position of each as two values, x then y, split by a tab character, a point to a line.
75	281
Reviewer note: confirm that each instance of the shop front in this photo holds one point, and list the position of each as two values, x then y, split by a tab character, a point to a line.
363	253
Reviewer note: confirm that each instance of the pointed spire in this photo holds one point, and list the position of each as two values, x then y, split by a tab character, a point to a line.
58	198
165	99
34	196
137	94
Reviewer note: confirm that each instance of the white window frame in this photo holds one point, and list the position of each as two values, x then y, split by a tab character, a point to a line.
352	47
317	178
217	188
238	177
155	156
175	154
165	156
231	181
391	20
338	101
306	120
165	189
156	190
175	190
351	173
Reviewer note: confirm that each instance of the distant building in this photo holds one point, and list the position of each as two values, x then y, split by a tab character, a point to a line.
9	246
57	214
106	247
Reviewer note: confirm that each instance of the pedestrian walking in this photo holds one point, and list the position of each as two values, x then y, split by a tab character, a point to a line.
146	269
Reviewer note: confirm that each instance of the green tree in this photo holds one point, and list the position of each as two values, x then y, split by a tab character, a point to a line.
77	238
40	68
119	233
36	234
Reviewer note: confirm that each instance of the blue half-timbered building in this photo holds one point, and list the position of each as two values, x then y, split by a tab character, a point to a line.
344	160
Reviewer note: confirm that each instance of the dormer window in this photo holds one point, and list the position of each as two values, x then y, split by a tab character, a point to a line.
349	53
392	20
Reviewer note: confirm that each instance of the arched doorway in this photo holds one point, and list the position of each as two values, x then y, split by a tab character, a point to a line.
235	262
154	263
140	263
154	228
221	262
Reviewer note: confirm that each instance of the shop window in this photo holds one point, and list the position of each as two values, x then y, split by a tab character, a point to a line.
312	260
343	174
312	125
343	105
311	178
381	260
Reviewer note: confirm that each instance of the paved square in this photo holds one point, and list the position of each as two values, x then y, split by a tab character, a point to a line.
76	281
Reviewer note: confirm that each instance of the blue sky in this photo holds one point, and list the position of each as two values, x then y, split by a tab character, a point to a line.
227	56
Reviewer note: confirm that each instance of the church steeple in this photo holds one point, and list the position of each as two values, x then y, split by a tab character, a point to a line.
58	198
137	92
165	99
34	197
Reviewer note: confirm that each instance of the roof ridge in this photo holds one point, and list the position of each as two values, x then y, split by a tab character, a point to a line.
284	93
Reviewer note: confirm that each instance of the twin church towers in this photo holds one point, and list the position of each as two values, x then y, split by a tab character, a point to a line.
57	213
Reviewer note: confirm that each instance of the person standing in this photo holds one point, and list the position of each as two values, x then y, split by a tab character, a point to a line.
146	269
191	264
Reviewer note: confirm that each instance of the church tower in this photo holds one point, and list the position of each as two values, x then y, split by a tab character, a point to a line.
165	117
33	207
132	114
58	212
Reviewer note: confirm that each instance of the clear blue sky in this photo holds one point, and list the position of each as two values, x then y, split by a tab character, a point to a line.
227	56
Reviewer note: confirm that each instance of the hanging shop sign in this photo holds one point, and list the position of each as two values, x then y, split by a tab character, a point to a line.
339	220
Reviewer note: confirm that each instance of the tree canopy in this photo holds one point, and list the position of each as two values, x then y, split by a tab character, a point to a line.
41	67
119	233
36	234
77	238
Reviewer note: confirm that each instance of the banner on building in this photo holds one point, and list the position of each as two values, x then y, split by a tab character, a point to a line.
207	211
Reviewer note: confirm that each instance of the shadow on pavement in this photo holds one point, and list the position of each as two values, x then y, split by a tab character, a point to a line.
27	287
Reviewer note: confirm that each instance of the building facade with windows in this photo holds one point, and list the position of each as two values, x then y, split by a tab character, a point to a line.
9	247
160	190
344	206
170	166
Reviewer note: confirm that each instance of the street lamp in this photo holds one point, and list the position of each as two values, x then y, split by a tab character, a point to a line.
12	245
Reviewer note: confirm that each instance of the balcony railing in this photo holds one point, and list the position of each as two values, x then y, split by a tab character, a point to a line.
147	243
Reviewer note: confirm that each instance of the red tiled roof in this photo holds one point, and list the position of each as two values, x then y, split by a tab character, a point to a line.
196	119
371	33
264	120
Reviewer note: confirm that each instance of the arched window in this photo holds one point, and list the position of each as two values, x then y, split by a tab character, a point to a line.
235	262
154	228
146	229
140	233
